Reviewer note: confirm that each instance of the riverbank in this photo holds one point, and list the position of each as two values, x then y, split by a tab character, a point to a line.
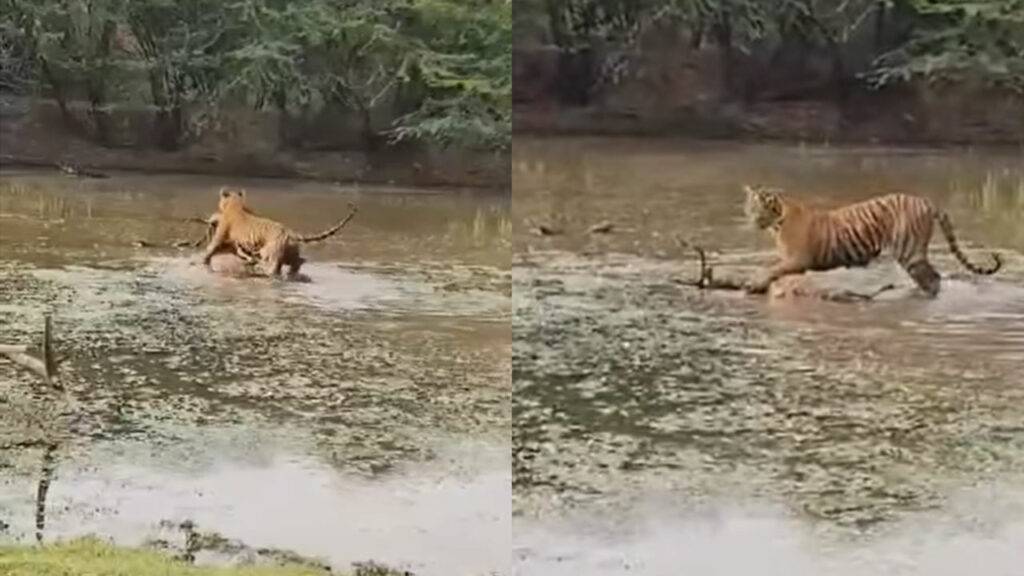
680	92
242	143
796	122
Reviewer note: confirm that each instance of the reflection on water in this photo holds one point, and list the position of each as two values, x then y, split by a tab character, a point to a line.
862	417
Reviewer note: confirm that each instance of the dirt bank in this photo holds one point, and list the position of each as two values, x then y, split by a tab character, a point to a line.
242	142
674	90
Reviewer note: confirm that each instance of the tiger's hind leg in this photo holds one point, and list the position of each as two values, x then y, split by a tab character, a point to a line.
294	266
924	275
272	256
293	259
274	266
910	247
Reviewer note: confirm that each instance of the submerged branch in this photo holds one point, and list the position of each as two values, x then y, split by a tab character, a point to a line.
210	223
706	275
706	281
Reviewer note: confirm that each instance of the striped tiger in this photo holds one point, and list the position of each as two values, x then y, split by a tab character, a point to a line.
853	235
238	228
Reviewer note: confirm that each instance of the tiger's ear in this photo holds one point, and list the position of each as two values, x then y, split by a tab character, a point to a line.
225	191
749	190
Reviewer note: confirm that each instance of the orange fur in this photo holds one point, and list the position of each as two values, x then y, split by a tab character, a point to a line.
253	235
854	235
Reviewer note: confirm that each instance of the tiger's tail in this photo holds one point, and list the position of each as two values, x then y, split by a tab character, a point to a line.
332	230
947	230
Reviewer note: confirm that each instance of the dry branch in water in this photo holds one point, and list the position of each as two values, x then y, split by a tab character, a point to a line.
706	278
46	367
544	230
210	224
707	281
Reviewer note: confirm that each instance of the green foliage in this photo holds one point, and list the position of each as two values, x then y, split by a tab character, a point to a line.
949	40
96	558
454	56
69	41
17	54
463	60
442	67
960	40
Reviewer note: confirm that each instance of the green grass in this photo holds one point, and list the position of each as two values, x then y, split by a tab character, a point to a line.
91	557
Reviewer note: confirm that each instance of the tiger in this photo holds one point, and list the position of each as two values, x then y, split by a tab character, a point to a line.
227	247
853	236
253	236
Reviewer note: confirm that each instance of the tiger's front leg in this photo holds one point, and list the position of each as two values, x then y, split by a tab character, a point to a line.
220	236
785	268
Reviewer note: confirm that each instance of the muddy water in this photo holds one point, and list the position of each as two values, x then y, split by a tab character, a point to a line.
359	416
821	437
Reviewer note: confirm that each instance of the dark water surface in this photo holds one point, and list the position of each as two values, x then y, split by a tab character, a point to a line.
668	431
360	416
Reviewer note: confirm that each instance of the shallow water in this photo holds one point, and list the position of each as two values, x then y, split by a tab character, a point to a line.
980	531
263	493
846	419
380	388
85	220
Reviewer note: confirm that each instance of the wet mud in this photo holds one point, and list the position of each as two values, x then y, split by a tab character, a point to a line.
386	373
846	418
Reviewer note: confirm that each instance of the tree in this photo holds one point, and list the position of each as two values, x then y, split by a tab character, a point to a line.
442	67
180	45
70	43
960	40
461	59
947	40
451	59
17	51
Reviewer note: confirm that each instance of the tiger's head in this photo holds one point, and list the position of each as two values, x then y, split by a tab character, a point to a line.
231	199
764	206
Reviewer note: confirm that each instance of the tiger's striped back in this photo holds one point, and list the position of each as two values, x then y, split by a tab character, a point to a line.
855	235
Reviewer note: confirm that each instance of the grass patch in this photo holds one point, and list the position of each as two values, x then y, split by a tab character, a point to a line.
92	557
